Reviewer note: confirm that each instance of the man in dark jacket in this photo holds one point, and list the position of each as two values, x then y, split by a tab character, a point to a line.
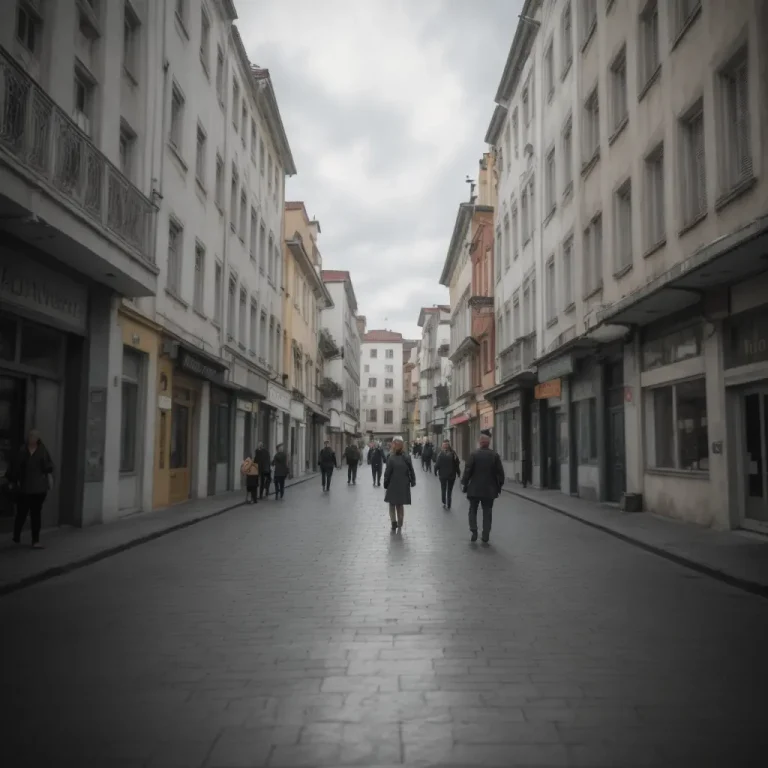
327	463
280	463
447	468
482	481
426	457
377	460
352	457
264	460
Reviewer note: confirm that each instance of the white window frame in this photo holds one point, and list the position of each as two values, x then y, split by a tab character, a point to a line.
567	273
175	257
619	93
655	197
693	168
736	157
622	231
198	295
591	129
649	57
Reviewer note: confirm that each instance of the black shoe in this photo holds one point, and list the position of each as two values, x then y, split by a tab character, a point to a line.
394	527
485	537
474	536
444	507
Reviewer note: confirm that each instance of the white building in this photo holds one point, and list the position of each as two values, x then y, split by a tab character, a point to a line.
381	384
434	370
651	216
341	385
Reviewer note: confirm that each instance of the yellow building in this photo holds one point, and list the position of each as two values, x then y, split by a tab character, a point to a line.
306	296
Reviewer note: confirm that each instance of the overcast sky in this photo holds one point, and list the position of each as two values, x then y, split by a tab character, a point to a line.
386	104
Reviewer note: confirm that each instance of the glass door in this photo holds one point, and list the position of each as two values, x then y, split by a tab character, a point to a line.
12	409
755	454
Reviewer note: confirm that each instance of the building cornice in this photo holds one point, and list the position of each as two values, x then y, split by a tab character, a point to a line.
496	124
522	43
463	217
300	256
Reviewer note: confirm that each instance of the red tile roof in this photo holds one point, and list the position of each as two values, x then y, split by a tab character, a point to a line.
335	275
374	337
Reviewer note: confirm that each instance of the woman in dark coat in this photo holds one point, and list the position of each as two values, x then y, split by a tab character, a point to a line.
280	463
399	478
30	476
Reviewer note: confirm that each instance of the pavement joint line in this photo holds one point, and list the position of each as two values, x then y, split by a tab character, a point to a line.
746	585
95	557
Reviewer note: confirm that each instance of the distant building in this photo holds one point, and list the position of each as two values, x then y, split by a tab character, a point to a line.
381	385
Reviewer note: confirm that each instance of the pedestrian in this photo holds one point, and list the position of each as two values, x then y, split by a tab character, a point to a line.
377	460
280	463
426	457
525	468
250	471
30	476
399	478
352	457
327	463
482	481
447	468
262	458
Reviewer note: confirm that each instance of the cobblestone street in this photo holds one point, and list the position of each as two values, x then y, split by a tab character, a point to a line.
304	633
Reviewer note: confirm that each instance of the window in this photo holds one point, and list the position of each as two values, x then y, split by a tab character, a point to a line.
389	369
517	330
389	417
233	199
197	299
220	74
549	70
374	353
389	399
677	427
130	415
261	156
262	248
514	235
254	234
649	43
219	183
244	123
551	289
526	110
231	307
654	198
591	126
217	297
586	429
235	102
263	344
242	317
568	273
269	175
205	39
694	175
588	20
127	145
389	354
567	38
181	11
673	347
389	383
619	90
568	156
175	241
550	183
524	214
253	140
270	257
366	368
84	93
28	27
254	319
515	131
526	310
131	28
531	208
372	383
372	415
622	252
736	158
243	215
202	140
177	118
592	256
681	15
277	181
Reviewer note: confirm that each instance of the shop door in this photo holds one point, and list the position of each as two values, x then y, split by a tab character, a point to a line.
617	469
218	447
755	455
12	408
181	446
294	452
248	439
552	433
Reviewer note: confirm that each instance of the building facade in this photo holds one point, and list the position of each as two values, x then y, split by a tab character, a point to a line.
410	376
306	298
434	367
381	384
647	381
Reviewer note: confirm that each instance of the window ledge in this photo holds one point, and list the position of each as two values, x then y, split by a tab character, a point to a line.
619	129
176	298
735	192
693	474
200	313
261	270
175	152
552	321
127	72
587	166
619	273
241	238
687	24
566	68
655	247
232	228
181	26
201	186
551	94
567	192
219	209
205	68
649	84
527	240
551	213
590	35
692	223
594	292
570	308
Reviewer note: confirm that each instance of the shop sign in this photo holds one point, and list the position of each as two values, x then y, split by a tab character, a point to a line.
164	403
297	410
548	389
257	384
28	285
245	405
460	419
278	397
199	367
512	400
747	339
556	369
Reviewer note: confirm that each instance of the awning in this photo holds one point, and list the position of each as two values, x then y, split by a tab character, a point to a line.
317	411
456	420
730	259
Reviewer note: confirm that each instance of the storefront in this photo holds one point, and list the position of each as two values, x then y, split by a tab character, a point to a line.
220	440
317	421
297	443
460	434
276	409
509	434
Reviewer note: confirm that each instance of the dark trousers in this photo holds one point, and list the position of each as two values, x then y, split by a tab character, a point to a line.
376	472
279	487
446	490
264	480
325	473
351	471
487	505
427	464
252	487
28	504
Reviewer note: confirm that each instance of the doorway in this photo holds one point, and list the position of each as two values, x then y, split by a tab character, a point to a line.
12	409
755	426
617	471
181	445
552	453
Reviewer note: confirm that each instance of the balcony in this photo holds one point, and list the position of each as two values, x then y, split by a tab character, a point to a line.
326	345
42	148
352	411
518	358
330	389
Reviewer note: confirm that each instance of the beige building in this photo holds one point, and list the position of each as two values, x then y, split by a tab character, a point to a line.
306	297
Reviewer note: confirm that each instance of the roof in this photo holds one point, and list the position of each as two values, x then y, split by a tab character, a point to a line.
436	309
335	275
298	251
463	217
497	121
374	337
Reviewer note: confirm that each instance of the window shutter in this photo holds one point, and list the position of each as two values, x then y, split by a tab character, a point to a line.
741	93
700	173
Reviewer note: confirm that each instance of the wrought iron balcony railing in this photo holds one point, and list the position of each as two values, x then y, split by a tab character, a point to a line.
48	143
330	389
327	345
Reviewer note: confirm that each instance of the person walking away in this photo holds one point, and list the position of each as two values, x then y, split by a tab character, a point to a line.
262	458
280	463
250	471
377	460
30	476
327	463
427	456
482	481
352	457
447	468
399	478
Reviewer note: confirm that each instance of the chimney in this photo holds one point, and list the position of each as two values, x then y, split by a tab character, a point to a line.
361	323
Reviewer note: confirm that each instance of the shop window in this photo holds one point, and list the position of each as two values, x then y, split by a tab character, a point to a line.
677	434
41	347
129	421
8	329
222	433
179	436
586	425
389	417
536	457
672	348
